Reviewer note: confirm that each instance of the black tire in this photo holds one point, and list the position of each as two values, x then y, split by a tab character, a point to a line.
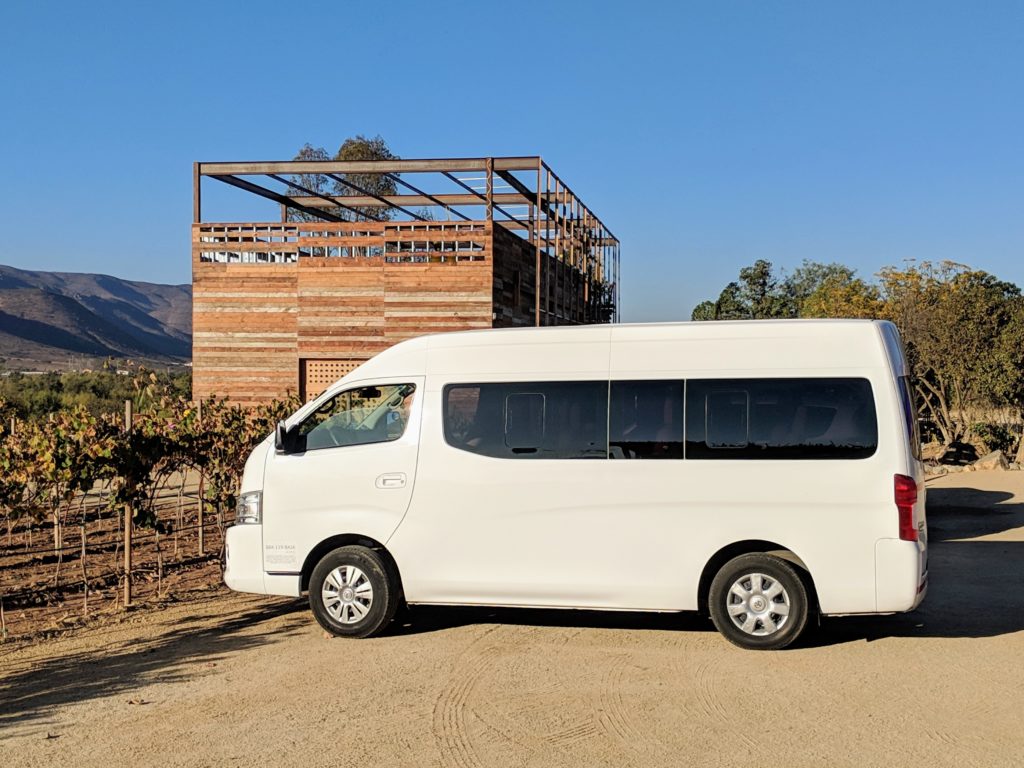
343	620
752	629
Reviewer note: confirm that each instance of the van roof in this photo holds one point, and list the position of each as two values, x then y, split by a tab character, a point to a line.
720	346
730	328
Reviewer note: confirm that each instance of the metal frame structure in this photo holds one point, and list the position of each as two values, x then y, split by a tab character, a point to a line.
521	194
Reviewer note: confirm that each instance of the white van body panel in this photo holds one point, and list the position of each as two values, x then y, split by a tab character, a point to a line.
604	533
330	491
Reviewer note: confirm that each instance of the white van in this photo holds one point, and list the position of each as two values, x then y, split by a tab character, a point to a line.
759	471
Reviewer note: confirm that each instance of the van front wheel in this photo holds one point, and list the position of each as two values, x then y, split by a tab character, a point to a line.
758	602
352	592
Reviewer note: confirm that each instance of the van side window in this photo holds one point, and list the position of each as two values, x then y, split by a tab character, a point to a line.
646	420
780	419
524	421
726	414
528	420
358	416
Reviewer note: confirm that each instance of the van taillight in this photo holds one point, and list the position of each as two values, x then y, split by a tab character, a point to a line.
906	497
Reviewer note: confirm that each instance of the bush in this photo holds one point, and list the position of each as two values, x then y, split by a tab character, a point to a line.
993	437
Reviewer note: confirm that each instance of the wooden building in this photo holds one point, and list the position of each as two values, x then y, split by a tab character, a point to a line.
294	304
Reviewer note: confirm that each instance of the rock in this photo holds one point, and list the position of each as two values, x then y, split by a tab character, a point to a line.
994	460
933	452
1015	466
932	469
953	468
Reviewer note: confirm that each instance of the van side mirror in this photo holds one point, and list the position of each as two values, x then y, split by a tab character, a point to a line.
281	437
288	440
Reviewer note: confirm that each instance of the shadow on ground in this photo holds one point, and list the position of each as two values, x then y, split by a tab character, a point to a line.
965	513
420	619
176	655
973	588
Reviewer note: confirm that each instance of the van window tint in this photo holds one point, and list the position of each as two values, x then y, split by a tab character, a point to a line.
528	420
726	419
780	419
646	420
524	420
357	417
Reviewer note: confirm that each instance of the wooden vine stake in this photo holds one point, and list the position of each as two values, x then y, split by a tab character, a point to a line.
127	520
85	576
202	532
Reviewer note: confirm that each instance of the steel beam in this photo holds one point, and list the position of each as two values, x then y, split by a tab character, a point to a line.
313	193
367	193
436	199
366	166
399	201
480	197
270	194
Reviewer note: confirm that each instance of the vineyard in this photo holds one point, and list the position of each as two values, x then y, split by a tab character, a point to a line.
98	505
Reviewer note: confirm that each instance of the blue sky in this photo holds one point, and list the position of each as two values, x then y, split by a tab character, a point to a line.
706	135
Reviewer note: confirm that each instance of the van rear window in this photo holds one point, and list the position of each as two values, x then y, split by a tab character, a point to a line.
780	419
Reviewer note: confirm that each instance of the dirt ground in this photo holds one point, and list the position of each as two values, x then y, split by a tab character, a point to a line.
225	679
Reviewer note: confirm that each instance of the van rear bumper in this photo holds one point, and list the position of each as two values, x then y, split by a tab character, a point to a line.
901	576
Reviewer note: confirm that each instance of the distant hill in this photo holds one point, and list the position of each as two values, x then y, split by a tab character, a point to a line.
52	319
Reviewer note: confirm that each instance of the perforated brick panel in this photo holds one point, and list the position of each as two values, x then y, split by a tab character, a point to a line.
317	375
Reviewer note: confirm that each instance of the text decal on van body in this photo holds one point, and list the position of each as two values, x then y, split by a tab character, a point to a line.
279	554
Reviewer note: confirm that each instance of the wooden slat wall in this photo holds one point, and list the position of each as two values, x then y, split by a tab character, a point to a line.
244	330
515	267
561	281
253	323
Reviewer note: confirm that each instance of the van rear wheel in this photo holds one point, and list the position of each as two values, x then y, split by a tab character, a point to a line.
759	602
352	592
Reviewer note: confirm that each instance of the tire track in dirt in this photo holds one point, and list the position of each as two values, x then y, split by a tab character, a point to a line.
567	737
604	716
450	709
710	701
534	728
614	717
519	735
958	746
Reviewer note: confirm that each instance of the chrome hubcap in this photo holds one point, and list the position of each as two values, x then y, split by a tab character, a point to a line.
758	604
347	594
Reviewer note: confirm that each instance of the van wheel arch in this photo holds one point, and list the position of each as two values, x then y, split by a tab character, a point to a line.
752	546
344	540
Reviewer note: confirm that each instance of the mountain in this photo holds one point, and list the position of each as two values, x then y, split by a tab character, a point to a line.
53	319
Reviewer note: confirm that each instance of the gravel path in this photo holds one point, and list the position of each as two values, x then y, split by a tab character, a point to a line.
239	680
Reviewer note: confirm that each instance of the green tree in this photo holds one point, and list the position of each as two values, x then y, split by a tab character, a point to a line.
704	311
362	148
960	327
313	182
812	290
827	290
760	293
755	296
346	184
